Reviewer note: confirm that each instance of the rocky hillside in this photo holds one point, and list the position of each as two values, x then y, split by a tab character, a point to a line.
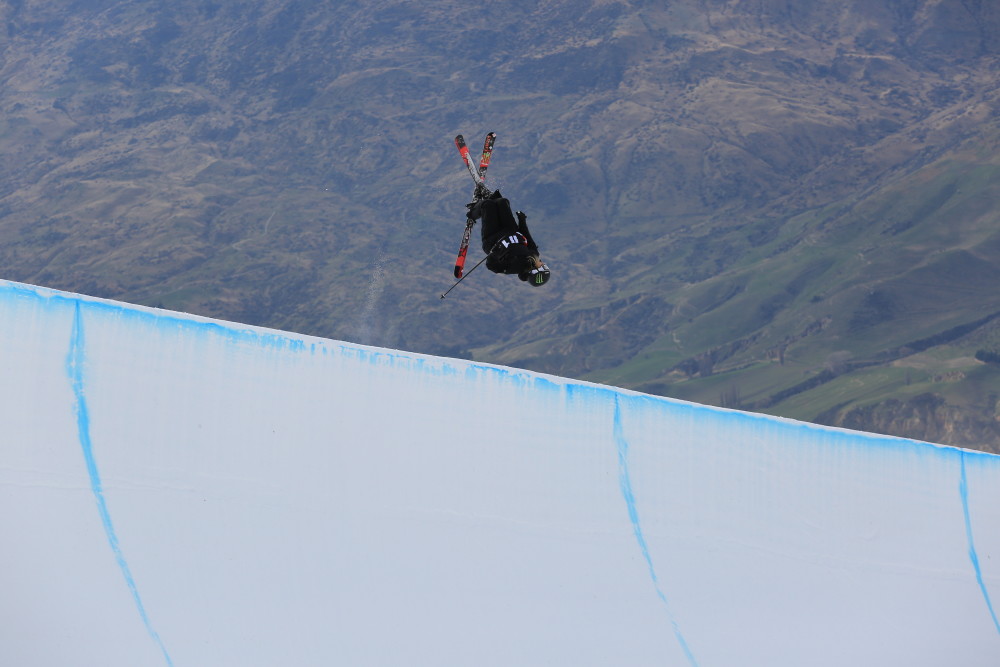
785	206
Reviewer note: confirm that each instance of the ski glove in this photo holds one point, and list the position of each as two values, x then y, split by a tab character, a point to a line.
521	218
475	210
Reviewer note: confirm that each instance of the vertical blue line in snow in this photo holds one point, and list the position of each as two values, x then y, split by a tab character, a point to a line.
963	489
74	368
625	481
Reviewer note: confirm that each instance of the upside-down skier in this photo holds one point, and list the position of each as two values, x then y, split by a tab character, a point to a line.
508	244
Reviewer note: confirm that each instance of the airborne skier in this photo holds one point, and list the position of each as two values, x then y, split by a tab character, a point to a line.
508	244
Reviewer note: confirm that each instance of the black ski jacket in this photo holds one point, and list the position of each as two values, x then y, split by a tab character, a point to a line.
507	243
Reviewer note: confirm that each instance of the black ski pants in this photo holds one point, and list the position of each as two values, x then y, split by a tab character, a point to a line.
498	221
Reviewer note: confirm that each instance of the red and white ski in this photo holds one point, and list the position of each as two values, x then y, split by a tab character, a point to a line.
479	176
484	159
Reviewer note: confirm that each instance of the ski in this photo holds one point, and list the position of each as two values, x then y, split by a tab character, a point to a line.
477	172
484	160
463	150
463	249
479	176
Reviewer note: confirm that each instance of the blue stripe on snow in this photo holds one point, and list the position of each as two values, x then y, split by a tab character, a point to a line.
625	481
74	368
963	489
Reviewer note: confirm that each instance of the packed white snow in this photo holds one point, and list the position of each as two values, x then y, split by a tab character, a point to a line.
181	491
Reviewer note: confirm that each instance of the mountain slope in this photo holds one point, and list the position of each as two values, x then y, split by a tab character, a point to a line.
836	322
716	184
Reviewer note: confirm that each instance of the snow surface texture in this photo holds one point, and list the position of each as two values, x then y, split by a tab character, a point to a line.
181	491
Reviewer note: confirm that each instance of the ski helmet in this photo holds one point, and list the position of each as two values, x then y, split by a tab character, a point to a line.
537	277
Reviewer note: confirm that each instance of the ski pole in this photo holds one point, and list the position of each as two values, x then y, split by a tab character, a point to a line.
464	276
